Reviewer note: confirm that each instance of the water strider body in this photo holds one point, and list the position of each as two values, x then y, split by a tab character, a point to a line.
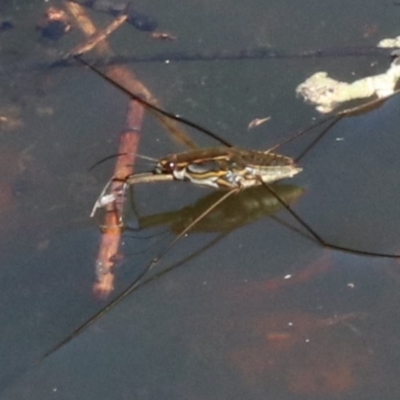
221	168
227	167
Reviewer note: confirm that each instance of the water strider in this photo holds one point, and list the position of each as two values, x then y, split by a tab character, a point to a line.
229	168
236	169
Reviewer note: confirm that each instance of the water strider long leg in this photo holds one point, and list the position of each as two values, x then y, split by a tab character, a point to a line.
135	285
152	106
334	119
331	124
319	238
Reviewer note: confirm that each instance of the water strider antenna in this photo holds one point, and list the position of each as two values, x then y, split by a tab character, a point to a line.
141	156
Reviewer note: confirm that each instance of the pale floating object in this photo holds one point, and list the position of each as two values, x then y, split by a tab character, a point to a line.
327	93
389	43
163	36
257	122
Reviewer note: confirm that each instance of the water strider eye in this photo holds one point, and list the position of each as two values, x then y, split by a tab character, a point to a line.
171	166
165	167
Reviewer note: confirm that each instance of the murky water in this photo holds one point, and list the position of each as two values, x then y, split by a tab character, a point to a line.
229	322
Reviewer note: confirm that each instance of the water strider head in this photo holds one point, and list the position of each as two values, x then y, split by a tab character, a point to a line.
228	168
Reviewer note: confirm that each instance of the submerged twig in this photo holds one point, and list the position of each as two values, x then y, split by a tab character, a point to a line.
96	38
129	140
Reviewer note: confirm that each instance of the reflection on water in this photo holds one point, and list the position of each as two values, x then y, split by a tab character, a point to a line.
243	208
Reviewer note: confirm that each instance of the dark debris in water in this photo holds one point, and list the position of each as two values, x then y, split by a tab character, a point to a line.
54	24
140	21
6	25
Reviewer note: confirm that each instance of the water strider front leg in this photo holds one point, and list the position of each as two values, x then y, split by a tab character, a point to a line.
116	197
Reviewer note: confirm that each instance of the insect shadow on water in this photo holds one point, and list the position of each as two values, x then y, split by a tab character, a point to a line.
233	169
